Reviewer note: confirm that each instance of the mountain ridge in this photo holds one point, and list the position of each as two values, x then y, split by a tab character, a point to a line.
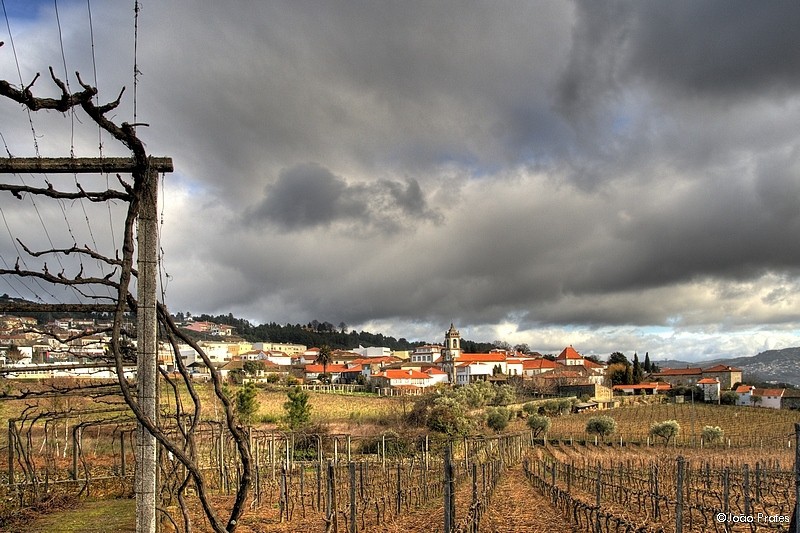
772	366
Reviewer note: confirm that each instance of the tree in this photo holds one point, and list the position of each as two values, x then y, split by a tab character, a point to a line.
666	430
616	374
497	418
449	416
325	357
247	403
253	367
14	354
601	425
504	395
637	372
298	412
618	358
647	365
728	398
712	434
538	424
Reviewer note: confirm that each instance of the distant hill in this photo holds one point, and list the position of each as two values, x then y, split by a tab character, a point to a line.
772	366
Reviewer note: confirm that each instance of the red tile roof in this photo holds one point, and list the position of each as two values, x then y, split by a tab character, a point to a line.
768	392
482	357
708	381
569	353
402	374
331	368
722	368
744	389
538	364
644	386
679	372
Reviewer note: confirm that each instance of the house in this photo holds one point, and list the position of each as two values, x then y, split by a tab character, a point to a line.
728	376
790	399
471	367
395	378
426	354
710	388
770	398
373	351
743	394
437	375
533	367
654	387
570	357
334	371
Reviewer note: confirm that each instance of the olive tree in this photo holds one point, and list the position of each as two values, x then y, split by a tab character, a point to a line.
666	430
601	425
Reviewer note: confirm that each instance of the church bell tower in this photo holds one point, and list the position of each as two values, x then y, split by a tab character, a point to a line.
451	352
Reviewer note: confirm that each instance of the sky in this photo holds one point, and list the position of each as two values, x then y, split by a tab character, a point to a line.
615	176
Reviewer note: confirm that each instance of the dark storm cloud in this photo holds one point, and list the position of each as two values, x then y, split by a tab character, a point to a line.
712	50
310	196
717	48
533	163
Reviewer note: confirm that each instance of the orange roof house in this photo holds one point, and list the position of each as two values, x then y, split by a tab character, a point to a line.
570	357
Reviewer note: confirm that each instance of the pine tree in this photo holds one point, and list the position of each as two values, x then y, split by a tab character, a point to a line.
647	367
637	372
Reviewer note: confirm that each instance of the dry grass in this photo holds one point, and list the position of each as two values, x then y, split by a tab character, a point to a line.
745	426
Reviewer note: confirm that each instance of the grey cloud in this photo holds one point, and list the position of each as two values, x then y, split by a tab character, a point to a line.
309	196
717	48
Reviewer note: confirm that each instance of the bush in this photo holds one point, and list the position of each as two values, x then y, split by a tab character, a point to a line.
298	412
504	395
531	408
247	403
497	418
666	430
448	416
712	434
728	398
538	424
601	425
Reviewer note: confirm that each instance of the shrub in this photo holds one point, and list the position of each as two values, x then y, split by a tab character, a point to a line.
538	424
298	412
497	418
531	408
247	402
448	416
601	425
666	430
728	398
504	395
712	434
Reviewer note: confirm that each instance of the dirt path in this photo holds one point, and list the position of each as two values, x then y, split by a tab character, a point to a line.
517	508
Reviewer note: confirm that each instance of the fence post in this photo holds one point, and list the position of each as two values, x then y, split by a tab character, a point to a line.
332	511
746	489
76	443
11	444
679	496
449	496
726	489
352	468
399	496
123	463
796	518
598	493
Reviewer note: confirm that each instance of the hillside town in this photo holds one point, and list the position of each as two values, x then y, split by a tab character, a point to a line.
76	348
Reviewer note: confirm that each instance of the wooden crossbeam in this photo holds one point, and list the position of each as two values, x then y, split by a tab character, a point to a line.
78	165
